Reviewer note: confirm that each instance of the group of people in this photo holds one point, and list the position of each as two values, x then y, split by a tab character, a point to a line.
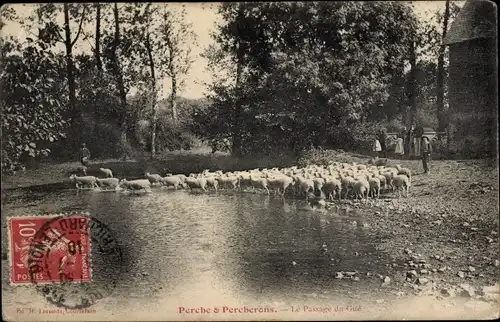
408	142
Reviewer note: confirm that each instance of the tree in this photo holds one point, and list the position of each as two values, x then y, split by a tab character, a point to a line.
115	63
123	58
33	101
148	14
429	44
441	71
97	49
50	33
305	73
412	84
162	38
178	37
69	43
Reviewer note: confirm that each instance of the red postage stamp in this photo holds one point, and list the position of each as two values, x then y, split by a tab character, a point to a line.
49	249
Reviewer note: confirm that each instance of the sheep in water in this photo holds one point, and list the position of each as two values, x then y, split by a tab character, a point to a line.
153	178
173	181
332	180
136	185
108	182
304	185
212	182
280	183
259	183
332	187
107	172
87	180
197	183
229	181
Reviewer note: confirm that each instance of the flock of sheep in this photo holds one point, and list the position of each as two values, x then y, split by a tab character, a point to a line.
320	183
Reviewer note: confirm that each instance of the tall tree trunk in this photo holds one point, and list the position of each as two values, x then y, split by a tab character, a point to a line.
75	113
98	61
154	114
413	84
173	98
236	146
119	81
440	74
97	52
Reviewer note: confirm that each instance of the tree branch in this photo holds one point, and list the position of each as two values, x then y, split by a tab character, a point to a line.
58	34
80	26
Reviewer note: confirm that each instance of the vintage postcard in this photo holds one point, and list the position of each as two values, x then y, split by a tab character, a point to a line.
332	160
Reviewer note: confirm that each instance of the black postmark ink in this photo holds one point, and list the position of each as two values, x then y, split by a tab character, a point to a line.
66	285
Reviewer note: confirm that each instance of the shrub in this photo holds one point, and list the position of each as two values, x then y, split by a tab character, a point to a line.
439	148
356	137
324	157
472	147
395	125
472	135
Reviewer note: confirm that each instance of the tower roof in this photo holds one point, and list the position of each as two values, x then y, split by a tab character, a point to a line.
476	19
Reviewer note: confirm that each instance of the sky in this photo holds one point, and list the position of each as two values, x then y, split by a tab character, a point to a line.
204	20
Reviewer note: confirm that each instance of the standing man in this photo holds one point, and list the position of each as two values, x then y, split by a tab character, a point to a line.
84	155
426	150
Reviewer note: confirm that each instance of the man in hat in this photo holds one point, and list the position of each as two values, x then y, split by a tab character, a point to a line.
425	150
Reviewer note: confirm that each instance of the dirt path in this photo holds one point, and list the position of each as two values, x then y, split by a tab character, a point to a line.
443	238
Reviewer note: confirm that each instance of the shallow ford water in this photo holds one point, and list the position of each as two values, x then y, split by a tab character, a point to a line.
186	248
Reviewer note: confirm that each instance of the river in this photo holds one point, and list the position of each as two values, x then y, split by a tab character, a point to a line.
185	248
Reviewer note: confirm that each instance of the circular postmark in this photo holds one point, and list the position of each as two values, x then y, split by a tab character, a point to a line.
73	260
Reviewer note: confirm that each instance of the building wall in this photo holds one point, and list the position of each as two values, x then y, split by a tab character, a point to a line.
473	89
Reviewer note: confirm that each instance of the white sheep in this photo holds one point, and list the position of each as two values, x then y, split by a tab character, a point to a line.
347	184
404	171
332	188
232	181
86	180
108	182
173	181
361	188
212	181
107	172
401	182
197	183
305	186
383	181
374	186
388	178
244	178
258	182
153	178
280	182
136	185
318	183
